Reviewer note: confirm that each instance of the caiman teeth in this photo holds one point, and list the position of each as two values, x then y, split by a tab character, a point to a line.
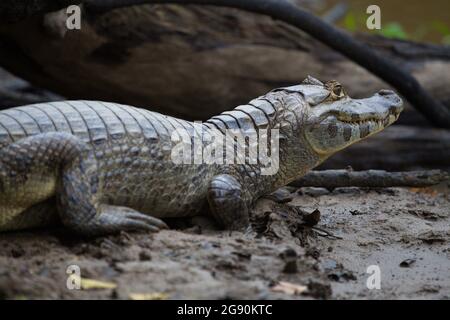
366	121
380	122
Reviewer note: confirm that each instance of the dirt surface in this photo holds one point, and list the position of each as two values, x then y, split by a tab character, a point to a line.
314	254
316	245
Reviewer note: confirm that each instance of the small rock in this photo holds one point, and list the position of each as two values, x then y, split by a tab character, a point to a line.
313	192
290	189
282	195
243	255
329	264
17	252
407	263
312	219
319	290
431	237
387	191
290	257
347	190
288	253
313	252
291	266
341	276
144	256
431	288
356	213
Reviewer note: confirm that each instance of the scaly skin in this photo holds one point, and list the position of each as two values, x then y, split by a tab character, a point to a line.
109	167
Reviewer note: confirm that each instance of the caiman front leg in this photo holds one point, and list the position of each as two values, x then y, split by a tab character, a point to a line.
228	203
80	206
59	164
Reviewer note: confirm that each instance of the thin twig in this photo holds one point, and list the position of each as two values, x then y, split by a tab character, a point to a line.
325	233
370	179
16	10
336	13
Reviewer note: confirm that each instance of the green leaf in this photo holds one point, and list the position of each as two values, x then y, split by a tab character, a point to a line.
441	27
350	22
394	30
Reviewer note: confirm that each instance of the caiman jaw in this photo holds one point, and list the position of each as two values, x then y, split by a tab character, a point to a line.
374	114
339	124
370	126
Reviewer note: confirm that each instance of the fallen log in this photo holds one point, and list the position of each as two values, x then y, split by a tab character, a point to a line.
11	98
370	179
165	57
15	92
283	10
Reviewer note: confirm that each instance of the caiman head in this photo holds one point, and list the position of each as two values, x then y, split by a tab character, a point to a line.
331	120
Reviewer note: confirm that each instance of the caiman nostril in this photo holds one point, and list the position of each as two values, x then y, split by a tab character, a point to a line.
386	92
395	109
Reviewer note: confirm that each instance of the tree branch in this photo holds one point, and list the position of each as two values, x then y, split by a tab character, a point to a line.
370	179
14	10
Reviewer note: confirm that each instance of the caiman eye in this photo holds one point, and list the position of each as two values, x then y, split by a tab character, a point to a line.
336	90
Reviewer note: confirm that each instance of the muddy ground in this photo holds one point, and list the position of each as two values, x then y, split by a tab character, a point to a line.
294	251
405	232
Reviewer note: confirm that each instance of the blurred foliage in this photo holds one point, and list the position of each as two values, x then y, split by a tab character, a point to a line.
350	22
441	27
394	29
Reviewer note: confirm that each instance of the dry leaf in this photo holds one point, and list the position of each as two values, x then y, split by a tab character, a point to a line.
428	191
289	288
149	296
90	284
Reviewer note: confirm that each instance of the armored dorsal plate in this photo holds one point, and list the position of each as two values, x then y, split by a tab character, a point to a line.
312	81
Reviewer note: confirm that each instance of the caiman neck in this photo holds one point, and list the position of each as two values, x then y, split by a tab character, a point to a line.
295	156
293	164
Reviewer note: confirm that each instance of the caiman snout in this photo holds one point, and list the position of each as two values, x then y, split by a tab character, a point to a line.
335	125
394	101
